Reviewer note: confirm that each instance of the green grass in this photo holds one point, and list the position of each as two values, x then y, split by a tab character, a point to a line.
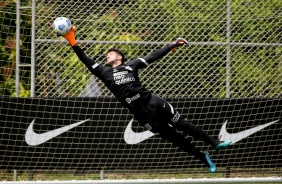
51	175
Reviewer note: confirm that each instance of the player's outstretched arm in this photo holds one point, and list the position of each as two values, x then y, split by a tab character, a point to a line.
157	54
70	37
94	67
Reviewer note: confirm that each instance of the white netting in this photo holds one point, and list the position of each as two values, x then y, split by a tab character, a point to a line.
230	56
235	51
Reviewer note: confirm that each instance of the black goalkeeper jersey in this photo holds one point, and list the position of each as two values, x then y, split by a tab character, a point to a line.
123	81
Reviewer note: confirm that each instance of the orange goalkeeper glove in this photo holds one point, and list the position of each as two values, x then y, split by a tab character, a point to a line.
179	42
70	36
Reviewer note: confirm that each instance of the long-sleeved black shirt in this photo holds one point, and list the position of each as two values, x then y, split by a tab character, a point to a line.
123	80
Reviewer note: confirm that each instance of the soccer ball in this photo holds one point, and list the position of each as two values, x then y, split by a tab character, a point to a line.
62	26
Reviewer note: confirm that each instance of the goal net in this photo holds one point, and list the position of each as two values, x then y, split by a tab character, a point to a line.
59	122
89	135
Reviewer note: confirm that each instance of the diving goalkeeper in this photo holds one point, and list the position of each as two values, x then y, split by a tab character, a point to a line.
148	109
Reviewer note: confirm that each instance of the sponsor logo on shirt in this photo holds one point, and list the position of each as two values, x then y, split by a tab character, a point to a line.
119	74
135	97
120	78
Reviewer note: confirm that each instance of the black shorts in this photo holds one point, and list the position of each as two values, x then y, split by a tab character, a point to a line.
157	115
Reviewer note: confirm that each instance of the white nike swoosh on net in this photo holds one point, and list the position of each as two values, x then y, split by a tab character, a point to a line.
131	137
235	137
34	139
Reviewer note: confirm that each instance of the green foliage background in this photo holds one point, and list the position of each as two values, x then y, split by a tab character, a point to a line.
255	71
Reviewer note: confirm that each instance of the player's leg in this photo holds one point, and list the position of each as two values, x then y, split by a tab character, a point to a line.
199	134
157	122
166	112
196	132
169	133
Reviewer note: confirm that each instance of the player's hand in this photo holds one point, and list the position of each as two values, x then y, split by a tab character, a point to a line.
70	36
179	42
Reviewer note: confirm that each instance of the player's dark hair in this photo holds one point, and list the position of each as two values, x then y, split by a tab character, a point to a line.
118	52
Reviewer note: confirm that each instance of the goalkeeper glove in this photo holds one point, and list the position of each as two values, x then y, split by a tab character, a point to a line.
179	42
70	36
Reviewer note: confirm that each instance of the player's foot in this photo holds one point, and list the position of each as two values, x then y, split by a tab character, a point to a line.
222	144
212	166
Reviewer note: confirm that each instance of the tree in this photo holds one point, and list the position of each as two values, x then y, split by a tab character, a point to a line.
196	71
8	50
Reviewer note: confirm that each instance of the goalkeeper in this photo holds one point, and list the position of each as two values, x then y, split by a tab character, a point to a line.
148	109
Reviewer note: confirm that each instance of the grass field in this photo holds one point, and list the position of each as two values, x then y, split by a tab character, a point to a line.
65	175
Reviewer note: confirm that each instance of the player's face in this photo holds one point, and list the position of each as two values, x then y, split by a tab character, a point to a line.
113	58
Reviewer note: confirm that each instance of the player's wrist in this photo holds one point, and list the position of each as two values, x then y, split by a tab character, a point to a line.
73	42
173	47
